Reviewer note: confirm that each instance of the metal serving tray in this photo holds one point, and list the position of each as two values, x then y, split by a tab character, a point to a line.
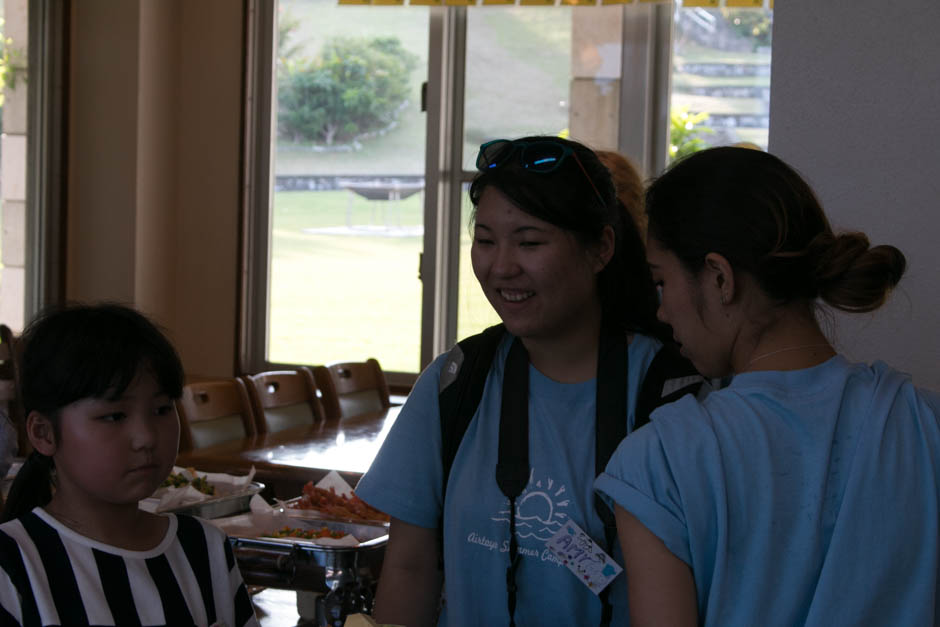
224	503
298	564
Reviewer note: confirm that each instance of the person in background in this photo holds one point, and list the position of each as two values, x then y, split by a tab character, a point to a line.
628	184
8	446
807	492
564	267
98	385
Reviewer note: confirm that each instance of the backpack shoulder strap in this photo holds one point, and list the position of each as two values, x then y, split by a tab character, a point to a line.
462	381
669	377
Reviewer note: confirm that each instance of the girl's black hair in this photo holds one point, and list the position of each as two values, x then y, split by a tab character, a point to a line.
757	212
74	352
566	199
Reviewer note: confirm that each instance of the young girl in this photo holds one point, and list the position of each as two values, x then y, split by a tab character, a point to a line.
806	492
562	264
98	388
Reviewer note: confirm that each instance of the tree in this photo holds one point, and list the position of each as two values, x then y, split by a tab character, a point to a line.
353	86
287	26
754	24
12	66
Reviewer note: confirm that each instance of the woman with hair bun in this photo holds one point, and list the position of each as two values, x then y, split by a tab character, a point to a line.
807	492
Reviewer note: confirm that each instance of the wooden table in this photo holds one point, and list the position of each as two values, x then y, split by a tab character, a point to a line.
286	460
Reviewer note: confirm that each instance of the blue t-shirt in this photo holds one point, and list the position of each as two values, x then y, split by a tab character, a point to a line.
806	497
405	482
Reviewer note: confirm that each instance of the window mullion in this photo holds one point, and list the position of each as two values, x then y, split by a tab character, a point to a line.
444	178
644	95
256	192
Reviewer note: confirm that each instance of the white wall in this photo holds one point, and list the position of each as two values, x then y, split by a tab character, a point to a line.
855	107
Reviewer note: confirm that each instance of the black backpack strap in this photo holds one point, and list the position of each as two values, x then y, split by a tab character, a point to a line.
512	466
613	363
669	377
460	388
462	381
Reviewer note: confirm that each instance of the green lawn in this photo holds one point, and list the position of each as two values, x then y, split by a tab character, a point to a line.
352	296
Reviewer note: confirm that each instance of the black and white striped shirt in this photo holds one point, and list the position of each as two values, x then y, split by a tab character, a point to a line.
51	575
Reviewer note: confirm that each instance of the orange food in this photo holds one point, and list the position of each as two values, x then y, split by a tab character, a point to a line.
337	505
306	534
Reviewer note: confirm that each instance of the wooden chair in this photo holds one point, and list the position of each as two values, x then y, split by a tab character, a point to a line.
352	388
283	398
214	411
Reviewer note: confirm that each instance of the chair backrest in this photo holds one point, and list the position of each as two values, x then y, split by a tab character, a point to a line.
283	399
213	412
352	388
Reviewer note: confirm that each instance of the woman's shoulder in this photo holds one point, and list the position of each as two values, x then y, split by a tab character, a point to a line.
827	390
896	388
836	379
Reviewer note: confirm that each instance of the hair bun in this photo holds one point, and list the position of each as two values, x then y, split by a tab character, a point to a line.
853	276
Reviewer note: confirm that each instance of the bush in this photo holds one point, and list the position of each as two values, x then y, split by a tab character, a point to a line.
353	86
685	132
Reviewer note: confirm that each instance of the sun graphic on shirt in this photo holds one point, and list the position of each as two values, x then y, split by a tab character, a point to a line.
540	509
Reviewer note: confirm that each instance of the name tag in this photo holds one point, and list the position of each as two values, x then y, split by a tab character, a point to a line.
583	557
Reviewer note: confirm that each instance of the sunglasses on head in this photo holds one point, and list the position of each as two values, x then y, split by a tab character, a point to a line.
542	156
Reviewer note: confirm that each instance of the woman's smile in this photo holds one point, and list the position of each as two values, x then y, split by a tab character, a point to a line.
538	277
515	296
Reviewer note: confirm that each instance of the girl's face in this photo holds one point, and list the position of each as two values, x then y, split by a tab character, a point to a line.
117	451
538	277
693	312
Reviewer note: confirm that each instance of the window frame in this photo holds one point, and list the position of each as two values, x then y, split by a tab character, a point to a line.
643	134
47	154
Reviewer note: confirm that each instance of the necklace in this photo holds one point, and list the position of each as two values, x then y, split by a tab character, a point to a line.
784	350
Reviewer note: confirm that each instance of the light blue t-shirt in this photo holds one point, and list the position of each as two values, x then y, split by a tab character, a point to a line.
405	482
807	497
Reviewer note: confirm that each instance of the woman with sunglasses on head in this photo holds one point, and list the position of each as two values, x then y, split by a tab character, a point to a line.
563	266
805	492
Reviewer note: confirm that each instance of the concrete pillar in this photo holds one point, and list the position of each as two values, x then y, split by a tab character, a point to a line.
596	53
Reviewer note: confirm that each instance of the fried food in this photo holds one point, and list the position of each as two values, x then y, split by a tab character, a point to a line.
337	506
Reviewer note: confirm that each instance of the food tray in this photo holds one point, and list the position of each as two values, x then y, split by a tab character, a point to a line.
315	514
299	564
229	500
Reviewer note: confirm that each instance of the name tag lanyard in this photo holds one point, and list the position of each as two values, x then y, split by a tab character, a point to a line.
610	427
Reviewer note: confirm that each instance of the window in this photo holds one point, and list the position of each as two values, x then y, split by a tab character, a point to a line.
347	214
720	78
528	95
358	220
13	57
